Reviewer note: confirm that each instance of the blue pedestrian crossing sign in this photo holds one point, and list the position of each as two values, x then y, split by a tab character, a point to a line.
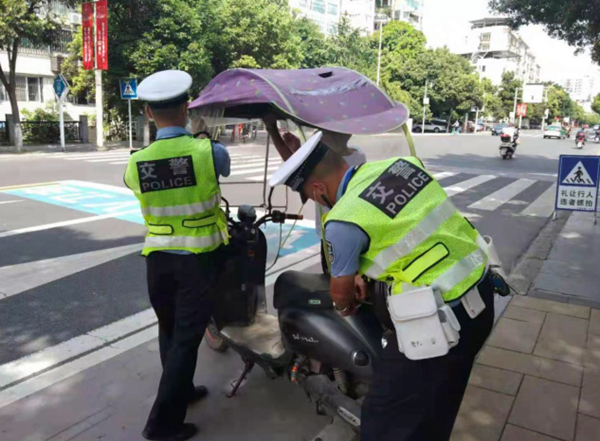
128	89
577	187
60	85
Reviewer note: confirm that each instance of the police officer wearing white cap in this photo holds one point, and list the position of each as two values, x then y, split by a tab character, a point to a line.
176	180
391	222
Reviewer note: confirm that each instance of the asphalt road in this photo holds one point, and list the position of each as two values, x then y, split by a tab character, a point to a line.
70	233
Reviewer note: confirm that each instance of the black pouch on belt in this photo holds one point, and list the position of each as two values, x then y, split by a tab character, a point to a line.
500	286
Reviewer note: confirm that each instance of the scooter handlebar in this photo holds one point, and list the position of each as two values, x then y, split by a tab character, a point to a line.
294	216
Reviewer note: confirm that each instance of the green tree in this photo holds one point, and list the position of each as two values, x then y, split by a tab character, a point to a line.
596	104
576	21
506	93
313	44
255	33
348	48
453	86
23	23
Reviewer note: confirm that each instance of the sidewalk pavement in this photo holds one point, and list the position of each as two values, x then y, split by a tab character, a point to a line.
570	273
538	376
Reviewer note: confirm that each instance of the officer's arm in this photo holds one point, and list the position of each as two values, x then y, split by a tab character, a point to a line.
345	244
222	159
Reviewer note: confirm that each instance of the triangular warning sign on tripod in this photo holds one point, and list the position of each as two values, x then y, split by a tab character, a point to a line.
578	176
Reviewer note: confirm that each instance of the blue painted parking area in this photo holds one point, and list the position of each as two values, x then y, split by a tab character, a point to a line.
120	203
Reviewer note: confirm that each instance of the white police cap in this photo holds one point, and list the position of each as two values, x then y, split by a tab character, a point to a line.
165	88
295	171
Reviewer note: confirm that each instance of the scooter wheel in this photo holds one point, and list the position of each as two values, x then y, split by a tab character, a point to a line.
214	339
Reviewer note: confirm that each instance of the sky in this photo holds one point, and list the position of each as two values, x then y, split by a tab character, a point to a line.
446	23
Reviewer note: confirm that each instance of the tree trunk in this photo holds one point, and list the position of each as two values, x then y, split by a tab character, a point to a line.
14	105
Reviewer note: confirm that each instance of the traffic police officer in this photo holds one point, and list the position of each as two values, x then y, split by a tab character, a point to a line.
176	182
392	222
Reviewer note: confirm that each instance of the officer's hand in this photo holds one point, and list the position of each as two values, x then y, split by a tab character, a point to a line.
291	141
362	289
270	120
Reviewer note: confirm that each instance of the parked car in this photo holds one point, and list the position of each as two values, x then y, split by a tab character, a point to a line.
555	131
535	126
497	128
431	125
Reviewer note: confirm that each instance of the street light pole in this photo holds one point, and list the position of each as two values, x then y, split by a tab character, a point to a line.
379	55
425	103
515	105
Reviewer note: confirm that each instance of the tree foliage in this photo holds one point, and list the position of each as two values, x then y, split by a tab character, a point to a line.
23	22
596	104
576	21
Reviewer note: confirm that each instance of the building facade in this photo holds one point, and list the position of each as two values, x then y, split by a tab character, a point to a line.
410	11
36	68
494	48
361	14
582	89
324	13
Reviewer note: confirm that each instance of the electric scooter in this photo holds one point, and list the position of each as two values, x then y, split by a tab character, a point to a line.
331	357
508	146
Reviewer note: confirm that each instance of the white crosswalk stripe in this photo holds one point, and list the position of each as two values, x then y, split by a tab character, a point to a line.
468	184
251	167
503	195
543	206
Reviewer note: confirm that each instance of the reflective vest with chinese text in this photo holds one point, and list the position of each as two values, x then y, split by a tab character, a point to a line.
176	184
416	235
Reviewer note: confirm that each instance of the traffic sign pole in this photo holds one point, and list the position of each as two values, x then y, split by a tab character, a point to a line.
130	131
61	100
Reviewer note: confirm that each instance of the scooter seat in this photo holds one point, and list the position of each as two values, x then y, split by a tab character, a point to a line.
262	337
303	290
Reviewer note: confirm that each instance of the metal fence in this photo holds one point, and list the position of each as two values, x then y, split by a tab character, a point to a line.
48	132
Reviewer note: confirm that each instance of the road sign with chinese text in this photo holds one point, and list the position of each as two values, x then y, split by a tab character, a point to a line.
577	187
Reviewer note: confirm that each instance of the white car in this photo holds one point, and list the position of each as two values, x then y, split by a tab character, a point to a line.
555	132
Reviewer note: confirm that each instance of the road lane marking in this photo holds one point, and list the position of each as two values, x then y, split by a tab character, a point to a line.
53	376
468	184
28	375
443	175
10	202
82	220
237	167
260	178
502	196
23	277
18	187
106	159
253	170
46	358
543	206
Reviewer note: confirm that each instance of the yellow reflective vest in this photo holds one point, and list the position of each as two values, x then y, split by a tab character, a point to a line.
416	235
176	183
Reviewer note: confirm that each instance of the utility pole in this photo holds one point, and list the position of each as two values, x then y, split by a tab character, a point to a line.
425	103
515	105
379	54
98	77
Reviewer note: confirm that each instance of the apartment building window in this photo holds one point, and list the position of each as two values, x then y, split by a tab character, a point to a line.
414	4
318	6
332	8
486	36
27	89
303	3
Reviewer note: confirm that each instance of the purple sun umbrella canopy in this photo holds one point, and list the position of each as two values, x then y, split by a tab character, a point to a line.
330	98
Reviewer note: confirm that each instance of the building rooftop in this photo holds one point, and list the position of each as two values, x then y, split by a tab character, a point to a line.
489	21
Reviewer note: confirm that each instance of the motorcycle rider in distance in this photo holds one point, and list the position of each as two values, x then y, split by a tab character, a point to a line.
580	137
513	132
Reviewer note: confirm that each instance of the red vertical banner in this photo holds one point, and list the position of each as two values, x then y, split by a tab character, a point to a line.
102	34
87	23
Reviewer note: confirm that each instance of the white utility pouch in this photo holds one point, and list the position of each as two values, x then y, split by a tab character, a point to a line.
424	327
494	261
473	303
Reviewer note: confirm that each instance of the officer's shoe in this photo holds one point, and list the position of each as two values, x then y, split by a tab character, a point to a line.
186	432
199	393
